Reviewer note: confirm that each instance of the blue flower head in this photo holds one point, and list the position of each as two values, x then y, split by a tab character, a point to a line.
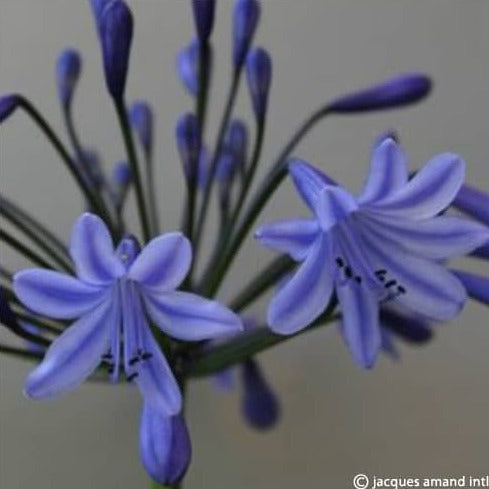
113	295
188	138
68	69
384	245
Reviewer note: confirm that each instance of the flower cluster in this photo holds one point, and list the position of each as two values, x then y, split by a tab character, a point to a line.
105	306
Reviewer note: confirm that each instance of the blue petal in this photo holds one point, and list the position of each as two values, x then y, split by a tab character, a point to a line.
291	236
388	172
305	296
429	192
474	202
436	238
92	251
163	263
308	181
74	355
482	252
333	205
429	289
187	316
477	286
164	446
56	295
360	324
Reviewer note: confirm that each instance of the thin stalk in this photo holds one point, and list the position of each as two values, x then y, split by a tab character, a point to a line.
93	197
50	326
133	161
18	330
20	352
150	185
16	245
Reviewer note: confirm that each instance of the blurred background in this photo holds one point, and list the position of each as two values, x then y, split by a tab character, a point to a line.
423	416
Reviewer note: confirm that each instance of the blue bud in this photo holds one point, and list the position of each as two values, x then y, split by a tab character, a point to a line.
477	286
245	19
396	92
409	328
204	18
188	142
188	67
259	74
93	167
473	202
226	168
116	28
236	143
141	117
260	407
8	103
203	168
164	446
121	175
68	69
97	9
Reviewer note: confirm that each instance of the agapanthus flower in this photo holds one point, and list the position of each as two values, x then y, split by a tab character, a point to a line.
384	245
115	294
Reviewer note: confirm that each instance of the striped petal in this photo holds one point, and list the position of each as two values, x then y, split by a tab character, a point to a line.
477	286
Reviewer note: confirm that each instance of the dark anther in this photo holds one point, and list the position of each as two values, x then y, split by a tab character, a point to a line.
107	356
133	360
380	272
340	262
110	370
132	376
390	283
348	272
401	289
358	279
146	355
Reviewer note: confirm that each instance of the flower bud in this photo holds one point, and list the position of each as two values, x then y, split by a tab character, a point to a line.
473	202
164	446
259	405
116	28
245	19
68	69
188	142
97	9
8	104
477	286
141	117
409	328
204	18
188	67
121	179
259	74
396	92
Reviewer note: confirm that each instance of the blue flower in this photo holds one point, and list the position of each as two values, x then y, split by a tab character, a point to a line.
476	285
380	246
114	293
164	446
68	69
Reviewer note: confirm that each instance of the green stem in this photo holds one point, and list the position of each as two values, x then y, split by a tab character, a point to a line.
150	184
20	352
133	161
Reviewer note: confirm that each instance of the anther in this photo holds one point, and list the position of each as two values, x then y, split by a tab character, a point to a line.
132	376
340	262
146	355
380	272
133	361
390	283
107	356
358	279
401	289
348	272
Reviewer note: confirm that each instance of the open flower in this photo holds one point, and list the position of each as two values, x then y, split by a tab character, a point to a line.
114	293
383	245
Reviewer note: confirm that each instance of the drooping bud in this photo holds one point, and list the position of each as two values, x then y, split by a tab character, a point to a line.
409	328
188	67
164	446
477	286
473	202
68	69
115	29
259	74
141	117
204	18
396	92
8	104
188	142
245	19
260	406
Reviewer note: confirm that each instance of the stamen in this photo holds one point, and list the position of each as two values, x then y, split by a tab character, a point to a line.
340	262
358	279
401	289
131	377
146	355
380	272
390	283
134	360
348	272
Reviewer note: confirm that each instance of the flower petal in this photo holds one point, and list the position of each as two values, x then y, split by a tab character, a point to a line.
305	296
482	252
333	205
473	202
360	324
427	287
409	328
55	294
388	172
291	236
436	238
92	251
430	191
74	355
477	286
163	263
187	316
308	181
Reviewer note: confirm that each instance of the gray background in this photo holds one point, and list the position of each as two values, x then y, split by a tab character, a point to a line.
426	415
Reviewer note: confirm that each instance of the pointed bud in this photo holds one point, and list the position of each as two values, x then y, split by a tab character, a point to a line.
204	18
121	179
245	19
473	202
188	142
164	446
8	104
93	166
259	405
477	286
203	168
188	67
116	28
98	7
259	74
68	69
409	328
141	117
396	92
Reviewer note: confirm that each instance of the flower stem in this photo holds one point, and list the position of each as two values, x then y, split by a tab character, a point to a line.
133	161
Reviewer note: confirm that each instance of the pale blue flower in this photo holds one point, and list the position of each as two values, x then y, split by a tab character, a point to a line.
384	245
113	296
